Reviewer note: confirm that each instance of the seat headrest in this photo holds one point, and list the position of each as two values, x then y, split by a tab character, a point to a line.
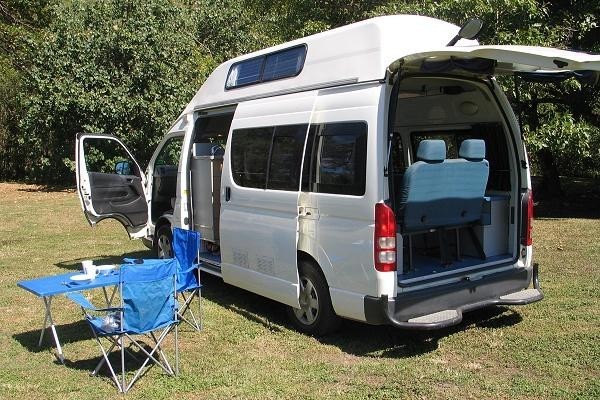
472	149
431	150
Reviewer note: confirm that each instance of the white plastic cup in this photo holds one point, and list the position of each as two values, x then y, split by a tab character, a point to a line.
89	268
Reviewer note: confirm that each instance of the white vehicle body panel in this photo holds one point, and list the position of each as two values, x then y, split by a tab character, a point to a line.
259	227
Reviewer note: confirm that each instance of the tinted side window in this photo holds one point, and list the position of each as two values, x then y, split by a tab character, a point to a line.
286	157
341	159
249	156
278	65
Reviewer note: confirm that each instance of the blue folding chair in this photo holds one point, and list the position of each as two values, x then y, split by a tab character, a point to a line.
186	244
147	307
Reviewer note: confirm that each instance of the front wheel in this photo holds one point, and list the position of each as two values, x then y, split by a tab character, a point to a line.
163	242
315	315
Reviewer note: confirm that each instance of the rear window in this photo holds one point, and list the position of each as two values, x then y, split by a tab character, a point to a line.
278	65
496	149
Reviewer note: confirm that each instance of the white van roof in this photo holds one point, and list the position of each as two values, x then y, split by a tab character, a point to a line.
363	51
357	52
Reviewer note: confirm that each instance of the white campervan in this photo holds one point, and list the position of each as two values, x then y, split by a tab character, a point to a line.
374	172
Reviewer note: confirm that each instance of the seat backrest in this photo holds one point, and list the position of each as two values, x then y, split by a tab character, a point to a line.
438	192
422	188
470	176
185	247
148	295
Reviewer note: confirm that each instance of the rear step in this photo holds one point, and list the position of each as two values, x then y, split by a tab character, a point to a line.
445	318
441	317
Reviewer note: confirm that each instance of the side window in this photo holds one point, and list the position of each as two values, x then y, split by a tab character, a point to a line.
268	158
108	156
250	155
170	152
341	159
286	157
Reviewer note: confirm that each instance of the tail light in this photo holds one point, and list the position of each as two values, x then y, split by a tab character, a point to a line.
384	244
526	217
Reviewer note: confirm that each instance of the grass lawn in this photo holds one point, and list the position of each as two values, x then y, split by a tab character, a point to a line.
247	349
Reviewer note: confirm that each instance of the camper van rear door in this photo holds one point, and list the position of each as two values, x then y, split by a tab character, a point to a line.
110	182
506	59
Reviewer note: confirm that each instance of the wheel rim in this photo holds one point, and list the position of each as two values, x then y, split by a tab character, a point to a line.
309	302
164	246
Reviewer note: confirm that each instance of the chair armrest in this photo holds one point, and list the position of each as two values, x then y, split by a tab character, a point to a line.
193	267
79	298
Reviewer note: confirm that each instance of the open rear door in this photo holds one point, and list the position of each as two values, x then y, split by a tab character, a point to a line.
110	182
502	60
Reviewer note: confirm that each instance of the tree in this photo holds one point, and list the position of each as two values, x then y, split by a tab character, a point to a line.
120	67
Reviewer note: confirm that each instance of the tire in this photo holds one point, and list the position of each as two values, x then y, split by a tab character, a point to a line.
163	242
315	316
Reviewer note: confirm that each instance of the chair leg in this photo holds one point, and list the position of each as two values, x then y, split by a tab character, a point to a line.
161	353
102	361
122	343
106	361
186	307
176	349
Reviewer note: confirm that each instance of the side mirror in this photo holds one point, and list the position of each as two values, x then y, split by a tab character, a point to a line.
123	168
469	30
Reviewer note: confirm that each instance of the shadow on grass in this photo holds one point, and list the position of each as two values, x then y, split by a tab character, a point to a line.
75	264
67	333
134	358
48	189
353	337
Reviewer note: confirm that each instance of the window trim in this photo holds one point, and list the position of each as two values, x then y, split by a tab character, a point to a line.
262	67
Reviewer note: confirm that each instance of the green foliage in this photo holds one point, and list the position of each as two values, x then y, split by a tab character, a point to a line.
128	67
124	68
575	144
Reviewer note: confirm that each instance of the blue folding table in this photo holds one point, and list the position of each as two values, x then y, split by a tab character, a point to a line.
48	286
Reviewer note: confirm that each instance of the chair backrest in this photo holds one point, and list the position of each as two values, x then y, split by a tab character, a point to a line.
148	295
185	247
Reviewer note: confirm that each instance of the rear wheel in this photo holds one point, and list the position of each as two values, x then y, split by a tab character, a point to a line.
163	242
315	315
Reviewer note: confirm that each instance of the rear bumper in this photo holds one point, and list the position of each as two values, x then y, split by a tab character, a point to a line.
444	306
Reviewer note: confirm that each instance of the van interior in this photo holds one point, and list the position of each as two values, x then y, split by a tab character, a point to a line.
456	111
164	178
206	164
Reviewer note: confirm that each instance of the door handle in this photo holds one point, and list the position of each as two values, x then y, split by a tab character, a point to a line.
227	193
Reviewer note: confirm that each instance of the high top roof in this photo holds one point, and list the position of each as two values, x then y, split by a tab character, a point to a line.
358	52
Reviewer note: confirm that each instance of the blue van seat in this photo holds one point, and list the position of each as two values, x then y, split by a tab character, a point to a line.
438	193
472	150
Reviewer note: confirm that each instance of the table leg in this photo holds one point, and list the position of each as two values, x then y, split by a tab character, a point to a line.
44	326
112	296
59	352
